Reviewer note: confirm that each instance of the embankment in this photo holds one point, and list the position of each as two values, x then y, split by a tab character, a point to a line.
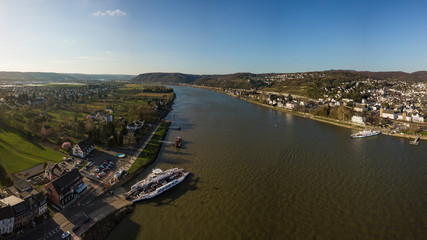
103	227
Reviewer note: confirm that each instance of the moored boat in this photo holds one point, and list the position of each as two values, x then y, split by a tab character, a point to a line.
156	183
365	133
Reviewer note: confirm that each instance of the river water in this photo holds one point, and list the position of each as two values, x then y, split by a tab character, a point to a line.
263	174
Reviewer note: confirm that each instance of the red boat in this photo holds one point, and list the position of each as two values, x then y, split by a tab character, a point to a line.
178	142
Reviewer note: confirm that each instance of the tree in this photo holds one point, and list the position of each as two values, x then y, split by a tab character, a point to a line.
343	113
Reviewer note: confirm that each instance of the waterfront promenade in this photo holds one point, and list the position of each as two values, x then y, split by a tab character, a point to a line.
92	204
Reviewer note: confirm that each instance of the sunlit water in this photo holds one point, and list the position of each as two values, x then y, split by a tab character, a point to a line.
263	174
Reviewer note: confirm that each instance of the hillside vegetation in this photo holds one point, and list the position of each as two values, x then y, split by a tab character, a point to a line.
310	84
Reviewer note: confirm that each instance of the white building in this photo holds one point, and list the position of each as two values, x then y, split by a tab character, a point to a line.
7	219
83	148
290	105
360	107
358	119
417	118
390	114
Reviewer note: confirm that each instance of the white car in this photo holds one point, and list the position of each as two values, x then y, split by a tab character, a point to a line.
65	234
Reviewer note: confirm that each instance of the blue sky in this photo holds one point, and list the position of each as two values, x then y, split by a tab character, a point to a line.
203	36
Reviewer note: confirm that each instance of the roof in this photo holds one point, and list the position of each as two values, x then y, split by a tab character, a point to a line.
55	169
17	204
86	145
22	185
30	172
6	211
63	183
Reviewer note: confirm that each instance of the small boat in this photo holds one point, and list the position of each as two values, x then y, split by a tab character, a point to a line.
156	183
365	133
178	142
416	141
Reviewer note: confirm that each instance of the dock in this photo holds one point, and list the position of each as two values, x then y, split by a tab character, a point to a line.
416	141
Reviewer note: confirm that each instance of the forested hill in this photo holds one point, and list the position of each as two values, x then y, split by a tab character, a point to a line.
245	80
58	77
310	84
419	76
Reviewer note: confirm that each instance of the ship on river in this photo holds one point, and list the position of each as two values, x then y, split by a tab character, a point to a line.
365	133
156	183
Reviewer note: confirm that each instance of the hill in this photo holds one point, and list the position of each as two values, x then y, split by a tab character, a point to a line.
46	77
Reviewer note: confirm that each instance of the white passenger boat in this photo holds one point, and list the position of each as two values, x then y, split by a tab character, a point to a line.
365	133
156	183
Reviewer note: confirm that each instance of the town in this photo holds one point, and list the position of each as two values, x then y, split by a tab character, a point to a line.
83	140
398	106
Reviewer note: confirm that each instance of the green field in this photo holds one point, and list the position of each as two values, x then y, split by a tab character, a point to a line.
152	147
17	153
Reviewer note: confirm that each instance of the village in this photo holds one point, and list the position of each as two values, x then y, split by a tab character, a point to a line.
85	172
396	105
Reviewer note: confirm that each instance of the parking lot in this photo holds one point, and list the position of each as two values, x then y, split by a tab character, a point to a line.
101	163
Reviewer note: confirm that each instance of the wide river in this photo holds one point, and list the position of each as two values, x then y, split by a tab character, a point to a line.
264	174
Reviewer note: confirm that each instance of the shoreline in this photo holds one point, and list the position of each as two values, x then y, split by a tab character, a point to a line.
102	228
316	118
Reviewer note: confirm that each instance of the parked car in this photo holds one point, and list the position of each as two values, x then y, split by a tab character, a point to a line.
97	170
65	235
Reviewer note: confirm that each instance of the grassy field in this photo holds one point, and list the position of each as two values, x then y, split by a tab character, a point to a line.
152	147
17	153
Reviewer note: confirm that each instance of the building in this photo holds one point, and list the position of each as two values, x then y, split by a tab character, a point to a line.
133	126
62	190
403	117
360	107
417	118
83	148
358	119
19	210
7	219
290	105
36	205
390	114
53	171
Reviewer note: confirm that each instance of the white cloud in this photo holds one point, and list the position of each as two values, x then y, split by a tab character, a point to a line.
92	58
116	12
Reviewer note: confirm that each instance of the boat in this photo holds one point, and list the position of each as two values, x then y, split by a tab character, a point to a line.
365	133
156	183
416	141
178	142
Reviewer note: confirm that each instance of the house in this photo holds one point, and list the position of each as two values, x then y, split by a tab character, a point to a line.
53	171
36	204
360	107
133	126
62	190
358	119
417	118
19	210
290	105
108	118
390	114
402	117
83	148
7	218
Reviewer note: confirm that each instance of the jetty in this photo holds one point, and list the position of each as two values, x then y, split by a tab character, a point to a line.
416	141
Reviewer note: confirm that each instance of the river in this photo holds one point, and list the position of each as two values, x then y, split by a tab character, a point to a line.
258	173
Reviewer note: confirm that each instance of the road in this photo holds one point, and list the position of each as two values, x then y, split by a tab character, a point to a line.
83	207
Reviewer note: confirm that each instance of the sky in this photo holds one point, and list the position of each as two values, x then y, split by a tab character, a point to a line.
212	37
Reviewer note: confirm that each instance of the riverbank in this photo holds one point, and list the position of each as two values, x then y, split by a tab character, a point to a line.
335	122
108	220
